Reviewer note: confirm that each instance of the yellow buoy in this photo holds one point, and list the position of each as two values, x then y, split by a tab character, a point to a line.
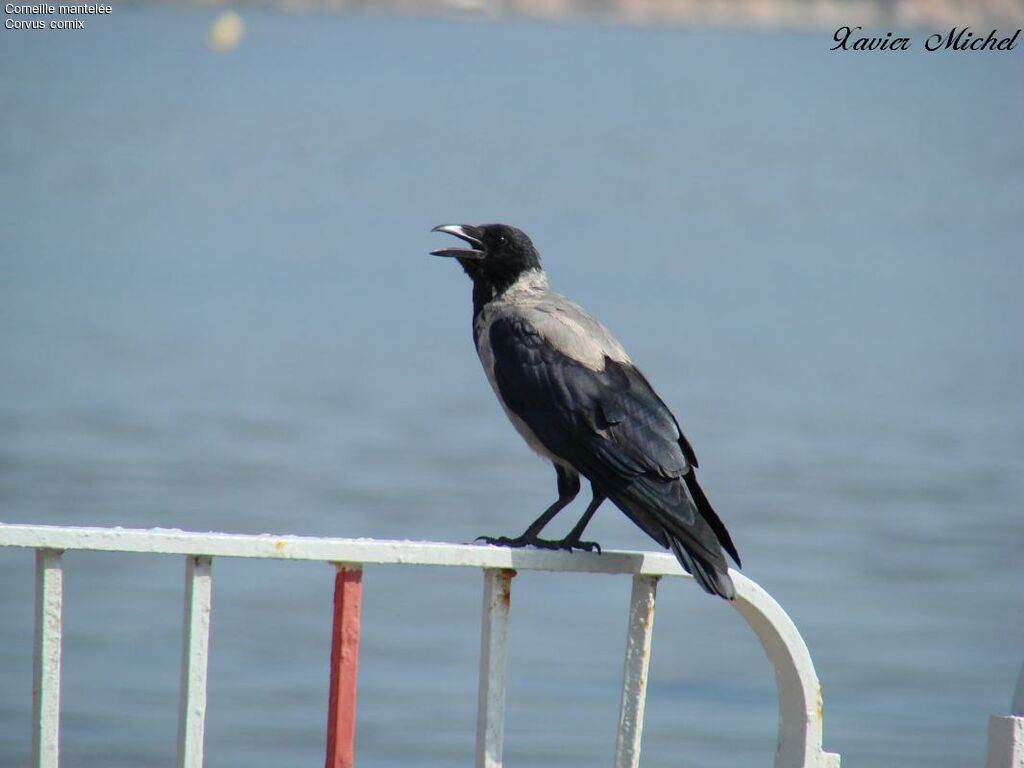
226	32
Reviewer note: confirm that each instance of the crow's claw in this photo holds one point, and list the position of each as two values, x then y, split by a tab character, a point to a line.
586	546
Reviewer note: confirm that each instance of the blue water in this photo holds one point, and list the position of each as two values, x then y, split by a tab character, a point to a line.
217	313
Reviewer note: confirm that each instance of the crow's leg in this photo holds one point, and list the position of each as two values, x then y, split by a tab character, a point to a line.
568	487
572	541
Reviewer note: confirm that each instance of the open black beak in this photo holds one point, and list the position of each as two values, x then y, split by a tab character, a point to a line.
470	234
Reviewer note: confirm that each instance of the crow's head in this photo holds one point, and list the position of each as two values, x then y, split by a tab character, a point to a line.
498	253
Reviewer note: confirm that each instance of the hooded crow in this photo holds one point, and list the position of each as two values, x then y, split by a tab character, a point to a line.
573	394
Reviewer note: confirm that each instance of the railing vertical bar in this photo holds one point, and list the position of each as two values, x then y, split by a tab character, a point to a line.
195	647
1006	734
341	703
490	714
46	659
1017	705
634	675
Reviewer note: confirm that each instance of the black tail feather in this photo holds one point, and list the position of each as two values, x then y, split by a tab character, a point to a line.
664	510
713	581
709	514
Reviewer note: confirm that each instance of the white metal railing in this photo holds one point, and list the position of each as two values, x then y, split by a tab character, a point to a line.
799	694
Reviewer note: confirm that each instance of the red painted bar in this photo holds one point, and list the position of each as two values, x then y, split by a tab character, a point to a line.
341	707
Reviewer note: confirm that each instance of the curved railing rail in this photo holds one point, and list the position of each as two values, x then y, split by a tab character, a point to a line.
800	703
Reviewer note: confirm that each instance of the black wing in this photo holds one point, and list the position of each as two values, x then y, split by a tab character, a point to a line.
615	430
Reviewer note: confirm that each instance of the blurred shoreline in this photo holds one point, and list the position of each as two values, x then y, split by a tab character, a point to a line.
769	14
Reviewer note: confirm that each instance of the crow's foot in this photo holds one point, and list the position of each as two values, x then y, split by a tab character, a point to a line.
533	541
519	541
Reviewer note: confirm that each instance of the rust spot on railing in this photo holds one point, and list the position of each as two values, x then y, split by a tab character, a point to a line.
505	587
